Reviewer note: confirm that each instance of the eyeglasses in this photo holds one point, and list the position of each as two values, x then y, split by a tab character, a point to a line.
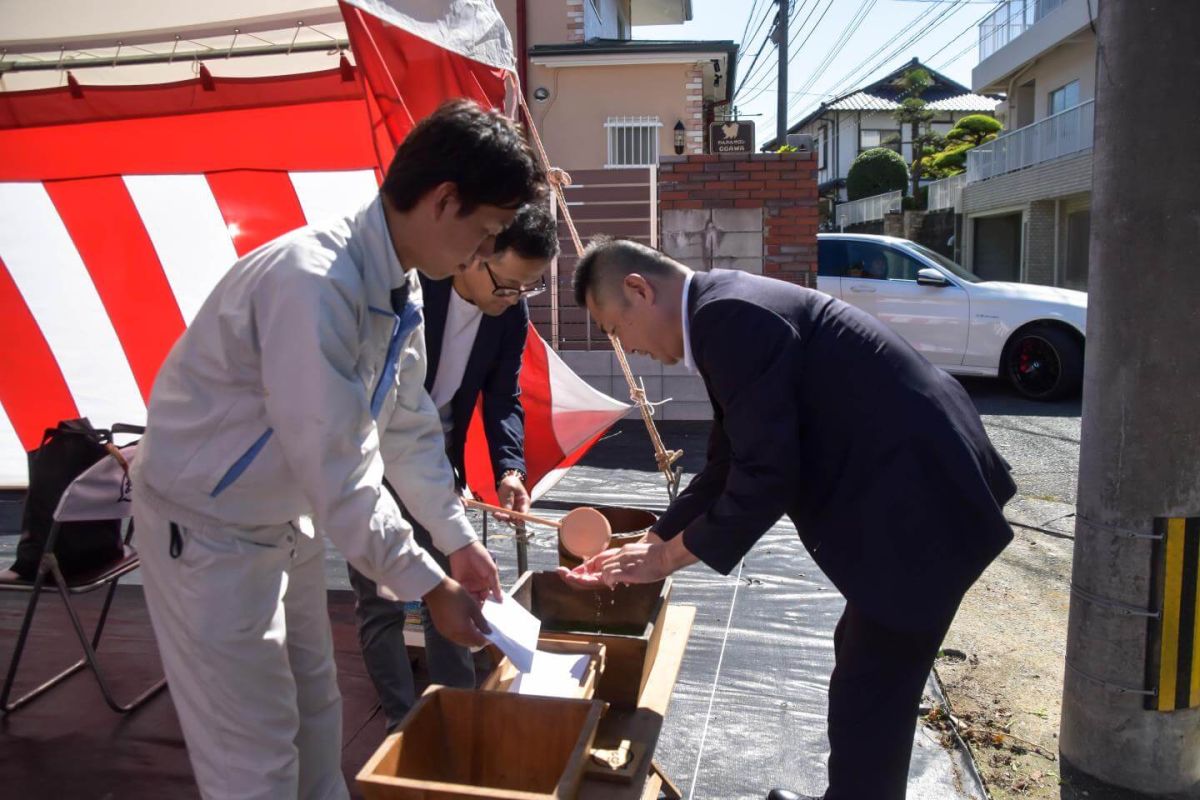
513	291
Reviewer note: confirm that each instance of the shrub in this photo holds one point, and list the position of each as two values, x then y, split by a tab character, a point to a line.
876	171
975	129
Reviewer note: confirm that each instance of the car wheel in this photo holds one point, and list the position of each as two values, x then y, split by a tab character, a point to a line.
1044	363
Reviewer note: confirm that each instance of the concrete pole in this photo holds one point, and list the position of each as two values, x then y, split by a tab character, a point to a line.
1140	451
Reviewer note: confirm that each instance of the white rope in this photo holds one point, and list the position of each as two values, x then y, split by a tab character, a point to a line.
716	679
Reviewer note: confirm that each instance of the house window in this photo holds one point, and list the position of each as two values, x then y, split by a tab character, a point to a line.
1062	98
868	138
823	148
632	141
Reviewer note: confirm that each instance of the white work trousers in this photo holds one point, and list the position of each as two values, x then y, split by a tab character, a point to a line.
242	626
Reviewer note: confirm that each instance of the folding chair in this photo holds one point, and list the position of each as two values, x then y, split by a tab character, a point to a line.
101	492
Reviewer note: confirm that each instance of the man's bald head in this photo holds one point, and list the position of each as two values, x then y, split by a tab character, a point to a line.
635	294
606	262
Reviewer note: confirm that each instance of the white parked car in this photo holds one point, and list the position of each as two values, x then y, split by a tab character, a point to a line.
1032	335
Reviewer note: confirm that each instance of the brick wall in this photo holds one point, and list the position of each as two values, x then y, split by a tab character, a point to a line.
574	21
1039	244
783	185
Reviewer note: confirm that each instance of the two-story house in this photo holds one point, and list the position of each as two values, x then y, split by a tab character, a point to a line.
1026	203
602	99
863	118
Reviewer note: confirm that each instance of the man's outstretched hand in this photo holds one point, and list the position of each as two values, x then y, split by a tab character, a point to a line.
633	563
456	614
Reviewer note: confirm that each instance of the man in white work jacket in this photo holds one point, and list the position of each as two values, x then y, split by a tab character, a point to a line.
297	388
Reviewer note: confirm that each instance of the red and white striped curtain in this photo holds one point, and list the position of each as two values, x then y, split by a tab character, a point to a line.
120	208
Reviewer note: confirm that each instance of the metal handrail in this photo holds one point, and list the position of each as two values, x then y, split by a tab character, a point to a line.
1009	21
947	192
868	209
1062	134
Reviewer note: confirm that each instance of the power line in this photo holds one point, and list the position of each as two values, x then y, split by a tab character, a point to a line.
798	50
766	40
761	75
969	28
839	44
852	77
813	29
757	30
767	78
942	17
747	41
756	55
957	56
749	17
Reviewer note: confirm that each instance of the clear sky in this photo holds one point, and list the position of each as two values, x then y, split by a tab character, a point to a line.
823	63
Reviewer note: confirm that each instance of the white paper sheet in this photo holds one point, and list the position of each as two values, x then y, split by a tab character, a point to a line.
553	675
514	630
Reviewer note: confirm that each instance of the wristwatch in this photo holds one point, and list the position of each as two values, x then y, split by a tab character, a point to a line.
508	472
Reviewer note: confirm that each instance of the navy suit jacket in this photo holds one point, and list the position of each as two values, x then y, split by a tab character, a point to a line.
493	369
823	413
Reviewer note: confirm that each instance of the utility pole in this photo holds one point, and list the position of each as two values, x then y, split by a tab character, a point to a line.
1131	694
781	41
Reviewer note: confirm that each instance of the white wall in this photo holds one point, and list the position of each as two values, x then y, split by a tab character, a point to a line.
1068	21
847	142
1075	61
1072	60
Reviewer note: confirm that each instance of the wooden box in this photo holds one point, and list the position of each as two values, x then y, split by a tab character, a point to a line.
462	743
502	677
627	620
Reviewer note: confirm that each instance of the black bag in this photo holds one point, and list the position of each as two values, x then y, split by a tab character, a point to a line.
64	454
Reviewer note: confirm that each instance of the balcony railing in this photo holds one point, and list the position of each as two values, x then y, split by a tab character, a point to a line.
1009	21
868	208
946	192
1056	136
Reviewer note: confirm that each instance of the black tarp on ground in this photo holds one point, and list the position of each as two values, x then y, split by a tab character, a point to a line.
748	712
763	638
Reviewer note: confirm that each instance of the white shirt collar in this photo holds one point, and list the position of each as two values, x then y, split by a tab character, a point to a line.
687	339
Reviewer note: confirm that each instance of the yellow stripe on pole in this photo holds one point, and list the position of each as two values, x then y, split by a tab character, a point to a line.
1194	693
1172	588
1192	526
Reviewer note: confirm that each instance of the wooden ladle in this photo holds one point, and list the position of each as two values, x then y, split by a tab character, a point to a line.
584	531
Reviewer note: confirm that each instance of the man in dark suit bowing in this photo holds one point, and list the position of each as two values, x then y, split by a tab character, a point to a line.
822	413
475	328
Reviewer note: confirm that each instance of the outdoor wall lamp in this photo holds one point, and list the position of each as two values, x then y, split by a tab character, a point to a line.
679	131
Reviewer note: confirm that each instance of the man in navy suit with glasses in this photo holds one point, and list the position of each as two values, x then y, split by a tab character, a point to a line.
475	329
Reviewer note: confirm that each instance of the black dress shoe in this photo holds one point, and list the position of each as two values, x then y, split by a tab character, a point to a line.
784	794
